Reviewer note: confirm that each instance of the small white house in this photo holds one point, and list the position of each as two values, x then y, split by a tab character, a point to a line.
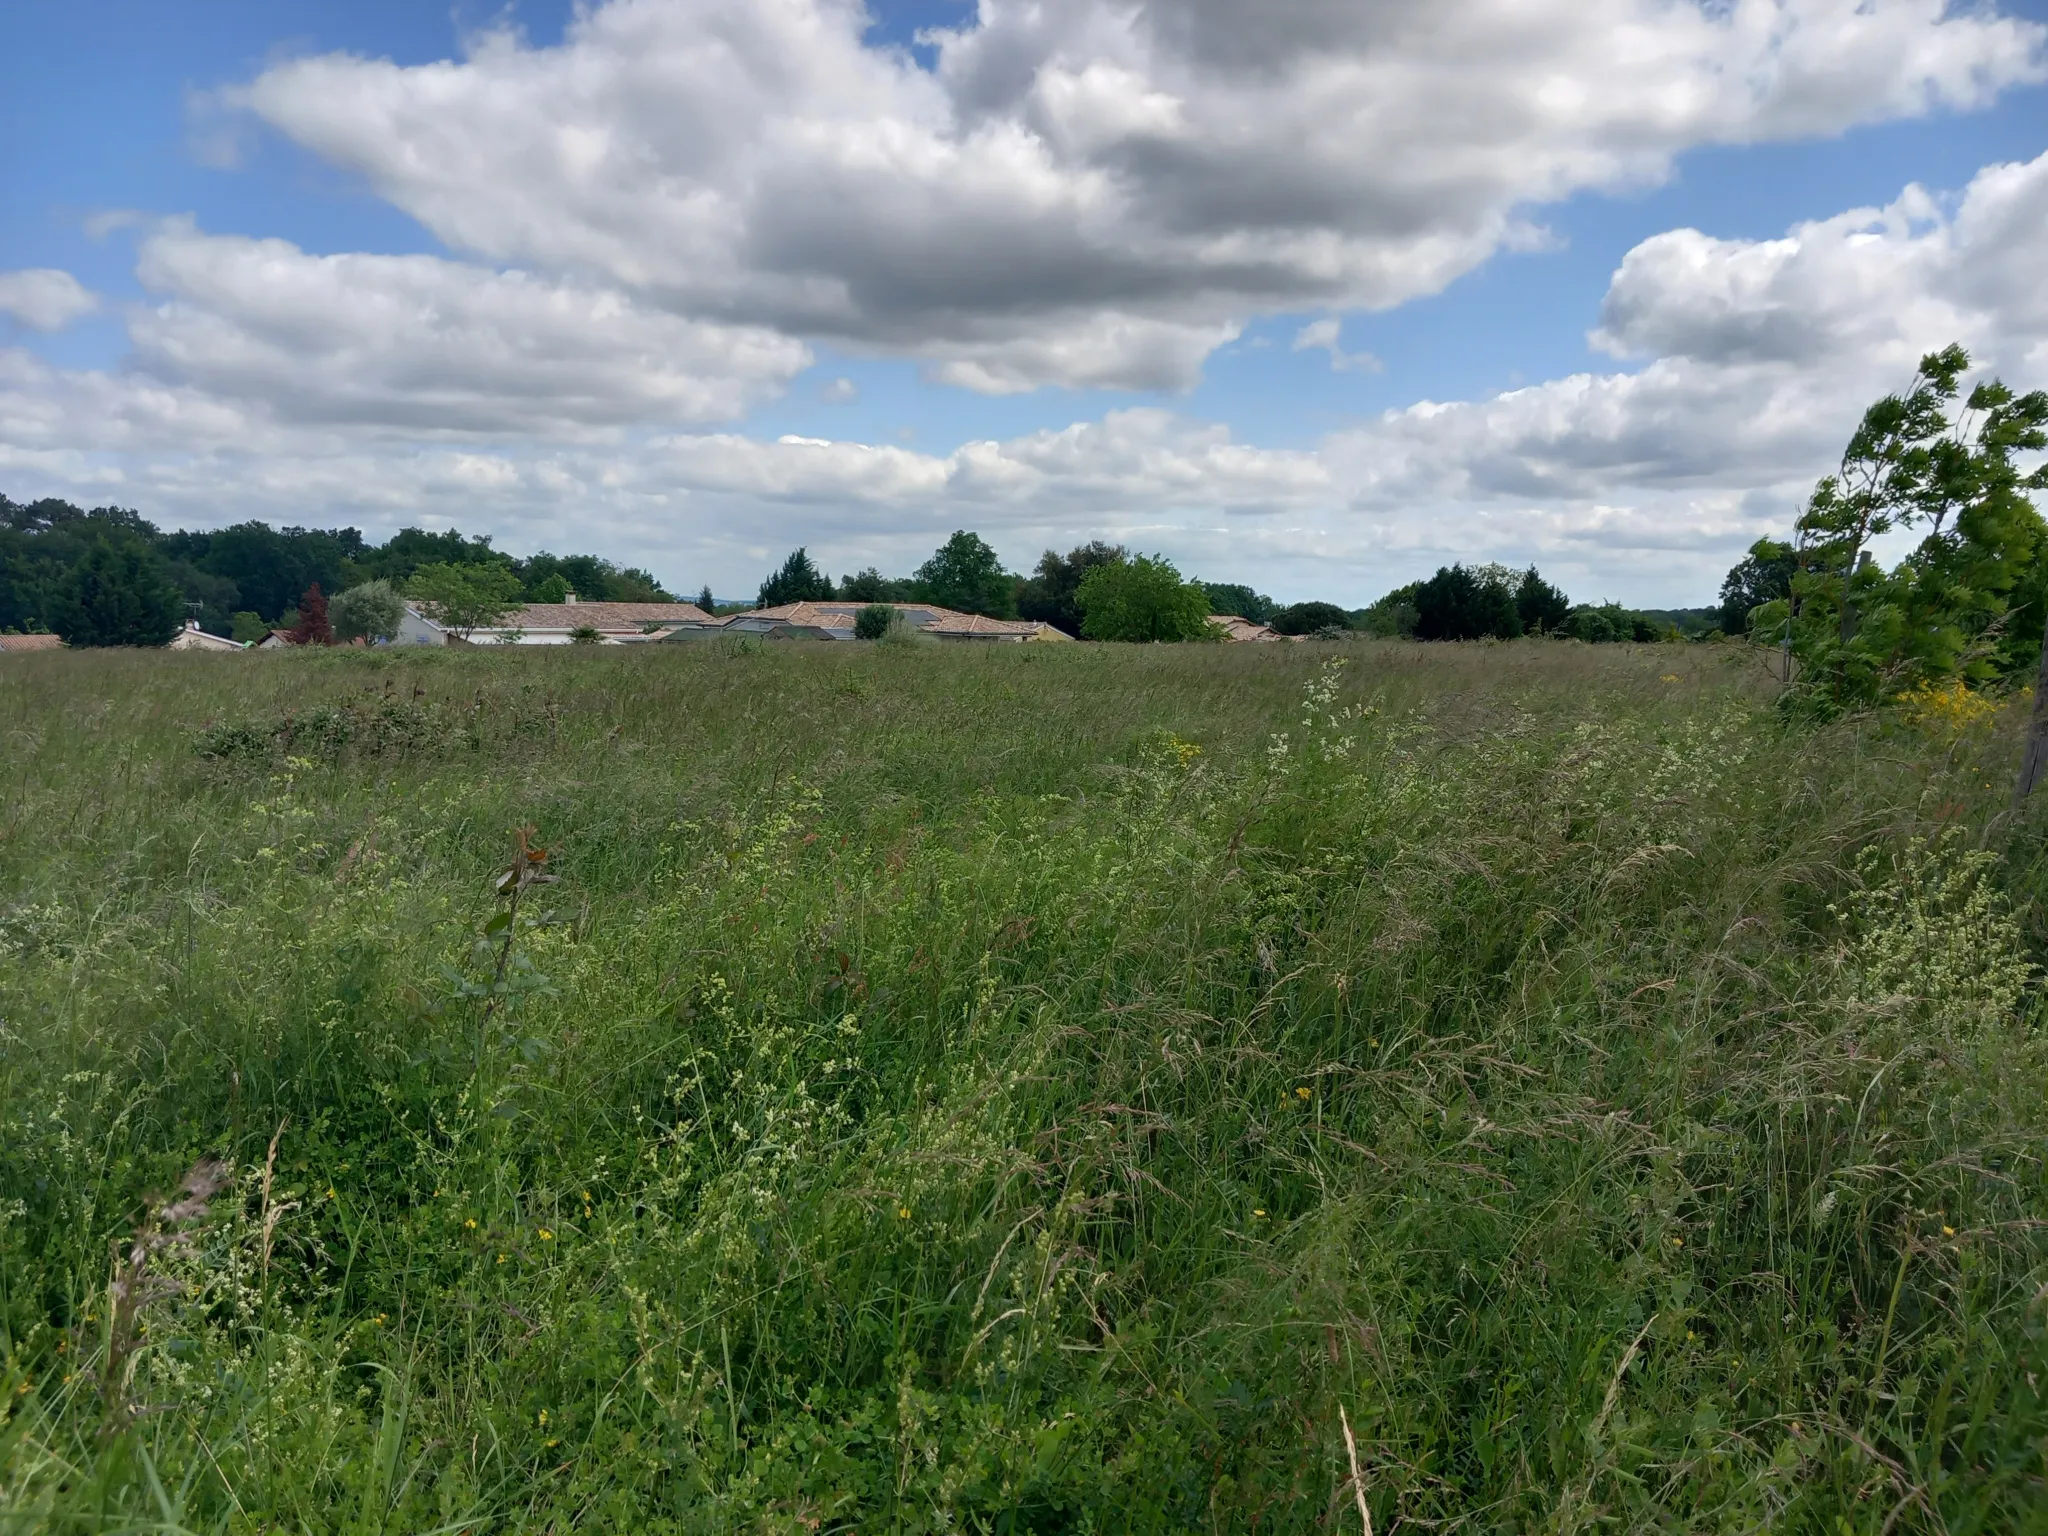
416	628
193	638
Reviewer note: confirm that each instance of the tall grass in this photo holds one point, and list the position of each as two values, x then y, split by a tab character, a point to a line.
1022	1090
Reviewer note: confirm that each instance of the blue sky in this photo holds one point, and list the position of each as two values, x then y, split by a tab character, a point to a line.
125	115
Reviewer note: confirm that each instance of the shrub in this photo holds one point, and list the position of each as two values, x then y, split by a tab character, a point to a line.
873	621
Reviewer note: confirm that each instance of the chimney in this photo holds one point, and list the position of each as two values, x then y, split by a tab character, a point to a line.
570	599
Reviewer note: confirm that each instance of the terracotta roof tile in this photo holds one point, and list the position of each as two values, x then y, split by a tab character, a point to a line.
600	616
30	643
928	617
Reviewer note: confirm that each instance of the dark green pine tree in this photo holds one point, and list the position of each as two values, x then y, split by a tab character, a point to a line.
116	595
1456	604
1540	606
799	581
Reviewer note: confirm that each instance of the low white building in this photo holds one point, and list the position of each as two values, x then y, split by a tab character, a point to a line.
562	623
193	638
416	628
835	621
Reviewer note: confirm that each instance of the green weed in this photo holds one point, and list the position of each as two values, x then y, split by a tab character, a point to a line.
1040	1089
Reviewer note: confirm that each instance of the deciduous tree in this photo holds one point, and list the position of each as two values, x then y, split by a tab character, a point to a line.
371	610
1051	594
1142	599
466	598
966	574
1234	597
1762	576
1860	632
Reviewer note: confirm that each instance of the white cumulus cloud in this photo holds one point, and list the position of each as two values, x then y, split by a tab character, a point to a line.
1763	353
44	299
1327	335
1085	191
421	344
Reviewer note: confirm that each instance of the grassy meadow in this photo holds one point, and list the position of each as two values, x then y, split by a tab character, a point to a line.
1039	1089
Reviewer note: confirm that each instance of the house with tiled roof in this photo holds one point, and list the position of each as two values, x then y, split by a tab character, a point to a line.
1241	630
558	624
12	643
835	621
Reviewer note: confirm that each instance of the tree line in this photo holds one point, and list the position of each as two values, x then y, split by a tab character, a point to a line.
1104	591
1967	604
109	576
